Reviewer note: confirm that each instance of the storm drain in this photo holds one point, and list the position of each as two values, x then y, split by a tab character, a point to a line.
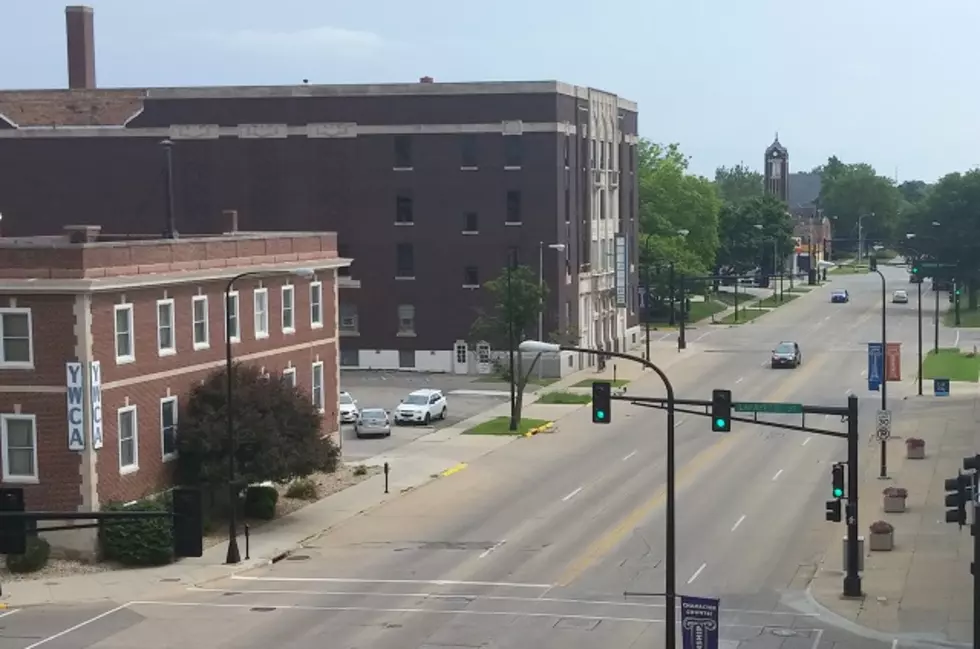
297	557
262	609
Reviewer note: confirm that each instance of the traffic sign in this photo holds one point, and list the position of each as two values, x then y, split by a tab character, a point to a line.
940	387
883	425
876	366
774	407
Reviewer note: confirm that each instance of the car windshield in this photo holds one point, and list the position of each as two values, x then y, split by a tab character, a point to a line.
417	400
899	292
345	399
840	292
373	413
785	348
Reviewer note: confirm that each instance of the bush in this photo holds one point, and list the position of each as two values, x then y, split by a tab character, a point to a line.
360	469
896	492
915	442
260	502
139	542
302	489
882	527
35	558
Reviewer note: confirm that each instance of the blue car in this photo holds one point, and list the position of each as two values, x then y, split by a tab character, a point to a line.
840	296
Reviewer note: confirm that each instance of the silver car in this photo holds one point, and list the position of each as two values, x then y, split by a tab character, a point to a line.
372	422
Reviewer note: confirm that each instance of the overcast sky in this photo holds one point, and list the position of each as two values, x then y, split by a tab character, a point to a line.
889	82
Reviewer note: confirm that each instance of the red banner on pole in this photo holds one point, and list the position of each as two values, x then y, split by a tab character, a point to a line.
893	362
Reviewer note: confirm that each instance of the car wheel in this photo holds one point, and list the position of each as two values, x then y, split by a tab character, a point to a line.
443	415
773	366
427	419
388	433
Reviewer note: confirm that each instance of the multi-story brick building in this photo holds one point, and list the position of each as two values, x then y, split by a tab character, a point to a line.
430	186
102	338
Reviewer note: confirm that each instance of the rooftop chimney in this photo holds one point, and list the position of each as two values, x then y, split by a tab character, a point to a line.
425	80
80	28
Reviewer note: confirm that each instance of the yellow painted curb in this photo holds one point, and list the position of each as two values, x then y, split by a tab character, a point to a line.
456	469
545	428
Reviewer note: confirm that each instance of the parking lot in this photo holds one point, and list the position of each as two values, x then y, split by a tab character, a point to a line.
466	395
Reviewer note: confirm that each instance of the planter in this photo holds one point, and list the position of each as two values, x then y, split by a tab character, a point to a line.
882	542
915	448
894	500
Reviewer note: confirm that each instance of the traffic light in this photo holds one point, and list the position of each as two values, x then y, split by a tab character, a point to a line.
916	268
601	402
721	411
188	522
834	511
13	531
837	480
956	497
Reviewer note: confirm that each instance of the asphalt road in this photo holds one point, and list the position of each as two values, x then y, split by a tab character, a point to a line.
534	545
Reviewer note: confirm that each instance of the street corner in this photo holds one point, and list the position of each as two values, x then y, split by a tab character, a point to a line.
453	470
549	427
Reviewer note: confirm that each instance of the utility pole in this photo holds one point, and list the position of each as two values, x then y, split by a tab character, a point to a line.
670	281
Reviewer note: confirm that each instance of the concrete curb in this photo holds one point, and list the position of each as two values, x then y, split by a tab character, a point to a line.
544	428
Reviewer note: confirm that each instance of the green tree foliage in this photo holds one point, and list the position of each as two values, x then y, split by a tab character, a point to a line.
738	183
850	191
745	246
277	427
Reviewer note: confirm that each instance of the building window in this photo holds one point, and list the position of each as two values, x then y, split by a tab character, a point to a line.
261	302
513	151
404	208
343	251
289	376
202	332
568	205
471	223
316	304
317	384
405	261
348	317
124	333
288	309
128	439
19	433
468	152
471	277
165	327
15	333
232	332
566	147
513	206
168	427
602	155
403	152
406	320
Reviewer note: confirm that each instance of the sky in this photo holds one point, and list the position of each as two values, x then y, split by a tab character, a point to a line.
888	82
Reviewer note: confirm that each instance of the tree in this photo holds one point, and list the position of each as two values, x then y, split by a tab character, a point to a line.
744	246
517	297
278	431
738	183
850	192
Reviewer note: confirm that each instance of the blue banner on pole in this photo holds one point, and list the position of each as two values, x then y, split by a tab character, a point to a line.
876	366
699	622
940	387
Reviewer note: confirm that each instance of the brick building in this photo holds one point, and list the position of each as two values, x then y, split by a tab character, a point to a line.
102	337
430	186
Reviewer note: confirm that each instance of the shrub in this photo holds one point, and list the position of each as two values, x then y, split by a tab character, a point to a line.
882	527
896	492
260	502
915	442
138	542
360	469
302	489
35	558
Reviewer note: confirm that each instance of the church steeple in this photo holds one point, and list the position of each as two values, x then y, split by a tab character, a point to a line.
776	166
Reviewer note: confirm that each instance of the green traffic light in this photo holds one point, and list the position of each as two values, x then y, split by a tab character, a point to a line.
600	414
838	493
720	423
915	270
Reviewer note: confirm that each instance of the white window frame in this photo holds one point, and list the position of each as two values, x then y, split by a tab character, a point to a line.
316	291
314	391
206	343
168	456
290	372
28	364
291	291
161	350
7	477
131	356
237	313
128	468
263	333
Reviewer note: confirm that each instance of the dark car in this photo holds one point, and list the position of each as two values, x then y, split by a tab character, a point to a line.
840	296
787	354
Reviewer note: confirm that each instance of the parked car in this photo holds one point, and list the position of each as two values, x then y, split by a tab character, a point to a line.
348	408
373	422
787	354
900	297
421	407
840	296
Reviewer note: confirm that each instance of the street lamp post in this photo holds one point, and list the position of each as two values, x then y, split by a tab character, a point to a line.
670	578
233	556
541	246
884	367
911	235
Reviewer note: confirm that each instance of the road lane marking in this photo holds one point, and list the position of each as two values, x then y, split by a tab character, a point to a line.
738	522
629	456
486	553
894	644
9	612
429	582
740	379
78	626
864	373
696	573
571	495
778	473
848	392
456	469
807	440
956	343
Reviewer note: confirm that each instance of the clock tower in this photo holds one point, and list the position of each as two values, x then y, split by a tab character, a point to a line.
776	167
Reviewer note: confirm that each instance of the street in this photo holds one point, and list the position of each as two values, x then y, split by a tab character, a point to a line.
535	545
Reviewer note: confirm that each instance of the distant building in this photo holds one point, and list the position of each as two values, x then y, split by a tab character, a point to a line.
102	338
776	170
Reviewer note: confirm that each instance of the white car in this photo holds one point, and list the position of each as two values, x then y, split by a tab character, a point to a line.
900	297
421	407
348	408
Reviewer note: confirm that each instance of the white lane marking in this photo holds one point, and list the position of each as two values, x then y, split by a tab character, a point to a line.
351	580
702	336
78	626
740	379
571	495
764	363
486	553
807	440
696	573
738	522
778	473
817	638
664	337
894	643
9	612
957	342
629	456
848	392
864	373
826	319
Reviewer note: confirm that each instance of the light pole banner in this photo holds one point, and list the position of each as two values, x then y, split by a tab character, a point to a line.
75	384
95	387
622	270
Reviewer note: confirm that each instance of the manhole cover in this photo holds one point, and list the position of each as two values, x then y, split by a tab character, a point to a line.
297	557
262	609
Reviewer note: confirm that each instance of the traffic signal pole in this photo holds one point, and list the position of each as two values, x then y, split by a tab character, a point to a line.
920	336
884	350
852	578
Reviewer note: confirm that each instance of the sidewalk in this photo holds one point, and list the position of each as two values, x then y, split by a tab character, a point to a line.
922	589
412	465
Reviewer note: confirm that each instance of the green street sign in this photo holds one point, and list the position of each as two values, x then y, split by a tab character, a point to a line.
932	264
760	406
